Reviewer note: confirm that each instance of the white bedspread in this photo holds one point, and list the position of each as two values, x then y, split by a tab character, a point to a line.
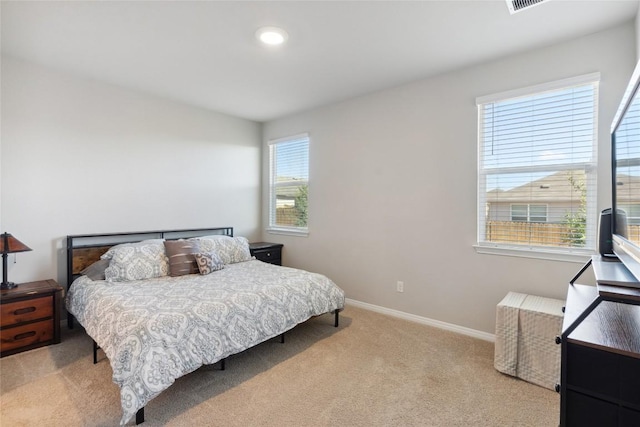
156	330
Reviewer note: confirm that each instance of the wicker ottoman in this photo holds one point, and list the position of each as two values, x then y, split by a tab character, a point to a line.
526	328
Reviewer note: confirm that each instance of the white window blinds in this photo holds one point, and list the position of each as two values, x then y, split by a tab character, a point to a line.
289	183
536	172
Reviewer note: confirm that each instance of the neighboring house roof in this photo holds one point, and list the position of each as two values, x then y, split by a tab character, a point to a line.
289	187
552	188
558	188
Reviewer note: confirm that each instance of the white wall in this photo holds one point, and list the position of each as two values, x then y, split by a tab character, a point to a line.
637	28
393	185
85	157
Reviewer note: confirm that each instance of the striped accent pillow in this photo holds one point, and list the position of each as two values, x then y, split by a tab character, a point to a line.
181	254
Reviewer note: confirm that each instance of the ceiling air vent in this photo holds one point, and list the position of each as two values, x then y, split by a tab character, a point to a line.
518	5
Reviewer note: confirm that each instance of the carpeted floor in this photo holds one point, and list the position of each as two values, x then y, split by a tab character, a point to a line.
373	370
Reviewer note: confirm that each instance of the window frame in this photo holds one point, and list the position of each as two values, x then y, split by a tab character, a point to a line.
573	254
272	227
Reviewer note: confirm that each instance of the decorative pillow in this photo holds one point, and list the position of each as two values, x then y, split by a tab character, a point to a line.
96	270
136	261
181	255
209	262
230	249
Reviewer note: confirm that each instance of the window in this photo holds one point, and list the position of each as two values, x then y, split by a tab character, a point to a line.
289	184
537	169
529	213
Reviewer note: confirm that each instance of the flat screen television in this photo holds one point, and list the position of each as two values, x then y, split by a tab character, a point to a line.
625	162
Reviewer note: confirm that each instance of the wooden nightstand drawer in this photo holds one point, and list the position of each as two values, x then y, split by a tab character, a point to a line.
25	311
29	316
26	335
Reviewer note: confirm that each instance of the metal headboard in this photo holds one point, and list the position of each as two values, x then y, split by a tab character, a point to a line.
85	249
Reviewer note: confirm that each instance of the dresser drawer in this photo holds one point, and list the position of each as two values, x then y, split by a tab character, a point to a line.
630	382
584	411
581	371
26	311
26	335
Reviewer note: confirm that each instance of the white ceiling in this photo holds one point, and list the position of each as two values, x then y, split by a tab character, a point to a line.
205	53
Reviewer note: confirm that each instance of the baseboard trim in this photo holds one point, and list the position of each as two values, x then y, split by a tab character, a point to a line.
423	320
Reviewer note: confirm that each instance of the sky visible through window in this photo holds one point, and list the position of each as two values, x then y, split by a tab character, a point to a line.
292	160
536	136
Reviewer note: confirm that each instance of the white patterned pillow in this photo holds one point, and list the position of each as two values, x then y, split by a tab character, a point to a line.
209	262
229	249
136	261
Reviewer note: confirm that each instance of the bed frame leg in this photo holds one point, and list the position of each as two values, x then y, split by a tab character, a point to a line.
282	338
95	352
337	318
140	416
223	364
70	318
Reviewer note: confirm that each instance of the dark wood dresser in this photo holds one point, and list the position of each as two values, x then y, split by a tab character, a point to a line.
30	316
267	252
600	380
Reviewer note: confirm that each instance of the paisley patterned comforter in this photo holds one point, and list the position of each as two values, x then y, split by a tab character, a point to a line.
156	330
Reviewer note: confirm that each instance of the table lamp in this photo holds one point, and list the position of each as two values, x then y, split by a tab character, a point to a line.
9	245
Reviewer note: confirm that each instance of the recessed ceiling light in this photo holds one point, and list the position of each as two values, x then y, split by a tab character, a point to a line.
272	35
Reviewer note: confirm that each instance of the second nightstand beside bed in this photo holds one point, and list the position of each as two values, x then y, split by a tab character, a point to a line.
267	252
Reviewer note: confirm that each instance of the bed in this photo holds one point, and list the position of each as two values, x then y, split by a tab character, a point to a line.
155	327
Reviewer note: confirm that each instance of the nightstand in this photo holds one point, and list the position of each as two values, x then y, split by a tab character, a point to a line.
267	252
30	316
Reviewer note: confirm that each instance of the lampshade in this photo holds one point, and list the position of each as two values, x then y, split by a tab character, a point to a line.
9	244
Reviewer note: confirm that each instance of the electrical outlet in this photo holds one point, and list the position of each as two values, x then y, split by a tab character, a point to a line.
400	286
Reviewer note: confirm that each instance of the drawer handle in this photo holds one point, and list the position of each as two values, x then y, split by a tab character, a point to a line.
24	335
268	253
24	310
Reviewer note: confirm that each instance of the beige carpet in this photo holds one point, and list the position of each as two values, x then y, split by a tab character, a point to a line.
373	370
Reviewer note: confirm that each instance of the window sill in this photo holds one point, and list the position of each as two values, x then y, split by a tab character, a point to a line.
288	232
575	255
